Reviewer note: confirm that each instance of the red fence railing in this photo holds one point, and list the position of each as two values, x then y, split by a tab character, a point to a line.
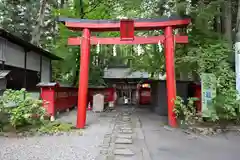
57	98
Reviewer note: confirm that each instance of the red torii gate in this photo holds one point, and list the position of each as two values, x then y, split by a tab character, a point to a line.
126	28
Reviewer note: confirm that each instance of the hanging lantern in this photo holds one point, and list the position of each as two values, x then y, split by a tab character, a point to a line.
114	51
160	48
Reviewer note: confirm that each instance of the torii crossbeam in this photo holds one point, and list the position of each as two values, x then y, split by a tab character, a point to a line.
126	28
76	41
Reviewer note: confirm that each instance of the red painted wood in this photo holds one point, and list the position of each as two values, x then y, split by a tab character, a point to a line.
170	69
137	40
145	96
65	98
83	79
126	29
57	98
48	96
97	27
197	94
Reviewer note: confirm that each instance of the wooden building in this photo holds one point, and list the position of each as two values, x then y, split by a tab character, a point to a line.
126	85
125	82
22	64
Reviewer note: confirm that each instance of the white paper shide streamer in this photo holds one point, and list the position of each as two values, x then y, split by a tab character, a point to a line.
160	48
139	50
98	48
114	51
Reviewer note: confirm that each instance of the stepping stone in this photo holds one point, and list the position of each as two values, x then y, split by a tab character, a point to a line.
123	141
106	140
126	119
124	136
123	152
104	151
126	131
126	128
105	145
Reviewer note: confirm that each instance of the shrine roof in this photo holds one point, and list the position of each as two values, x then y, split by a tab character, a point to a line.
113	25
27	45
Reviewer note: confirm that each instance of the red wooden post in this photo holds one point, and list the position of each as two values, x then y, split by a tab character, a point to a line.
171	82
83	78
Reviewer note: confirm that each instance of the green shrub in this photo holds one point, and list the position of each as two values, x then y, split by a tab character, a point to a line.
227	108
22	108
186	113
54	127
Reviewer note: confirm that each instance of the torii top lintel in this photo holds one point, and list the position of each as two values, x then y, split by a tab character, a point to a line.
114	25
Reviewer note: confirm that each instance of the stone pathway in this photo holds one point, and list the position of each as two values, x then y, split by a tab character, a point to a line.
126	142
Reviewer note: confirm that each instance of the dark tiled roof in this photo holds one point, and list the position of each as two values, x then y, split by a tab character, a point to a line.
162	19
26	45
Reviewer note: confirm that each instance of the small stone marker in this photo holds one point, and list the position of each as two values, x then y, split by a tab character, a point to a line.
123	141
98	103
124	136
123	152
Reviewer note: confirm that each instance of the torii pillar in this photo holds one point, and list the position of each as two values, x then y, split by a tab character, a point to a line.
170	74
83	78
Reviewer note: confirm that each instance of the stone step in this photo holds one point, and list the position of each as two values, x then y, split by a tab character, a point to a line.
126	131
126	119
126	136
126	128
117	157
123	152
123	141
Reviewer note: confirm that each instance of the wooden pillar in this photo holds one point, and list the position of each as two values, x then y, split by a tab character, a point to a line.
40	74
2	65
25	72
170	69
50	68
83	78
25	69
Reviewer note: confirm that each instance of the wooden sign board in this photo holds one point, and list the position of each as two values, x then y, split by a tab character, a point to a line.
127	30
208	84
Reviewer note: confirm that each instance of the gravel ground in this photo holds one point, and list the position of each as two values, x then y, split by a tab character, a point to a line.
161	142
62	147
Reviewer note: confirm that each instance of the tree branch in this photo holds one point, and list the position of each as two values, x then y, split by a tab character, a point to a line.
93	8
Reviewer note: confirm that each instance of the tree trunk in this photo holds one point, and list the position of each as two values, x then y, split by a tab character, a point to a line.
237	50
62	3
227	20
218	22
37	30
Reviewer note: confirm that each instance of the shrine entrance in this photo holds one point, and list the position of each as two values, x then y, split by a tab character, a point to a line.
126	28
